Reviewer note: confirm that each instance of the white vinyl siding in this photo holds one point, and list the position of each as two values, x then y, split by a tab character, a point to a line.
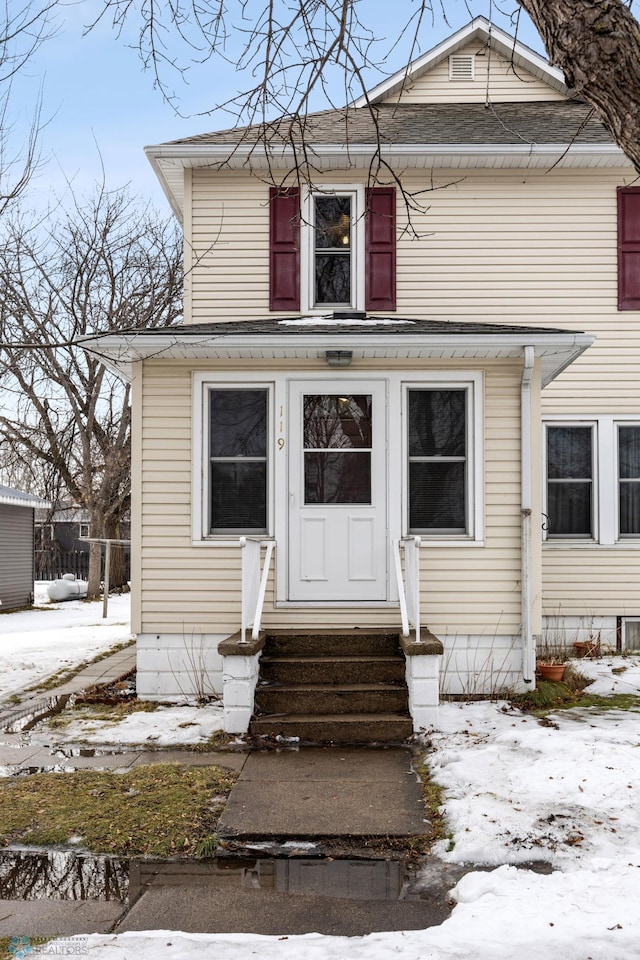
506	82
186	588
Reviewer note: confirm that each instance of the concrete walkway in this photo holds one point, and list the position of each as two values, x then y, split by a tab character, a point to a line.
108	670
281	796
326	792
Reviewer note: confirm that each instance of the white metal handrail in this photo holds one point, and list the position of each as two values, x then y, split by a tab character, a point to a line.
254	584
409	584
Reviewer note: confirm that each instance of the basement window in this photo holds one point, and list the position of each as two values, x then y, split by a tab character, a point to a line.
462	67
630	634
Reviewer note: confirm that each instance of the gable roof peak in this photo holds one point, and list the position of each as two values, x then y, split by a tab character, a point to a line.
478	29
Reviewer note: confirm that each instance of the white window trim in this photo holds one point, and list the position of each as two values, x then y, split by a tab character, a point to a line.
277	495
474	493
202	383
307	246
605	480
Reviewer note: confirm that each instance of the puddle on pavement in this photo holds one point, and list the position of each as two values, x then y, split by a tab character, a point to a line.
61	875
65	875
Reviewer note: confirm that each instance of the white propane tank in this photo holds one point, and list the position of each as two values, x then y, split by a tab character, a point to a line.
68	588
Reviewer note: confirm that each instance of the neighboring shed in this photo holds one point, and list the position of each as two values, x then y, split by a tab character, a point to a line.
17	510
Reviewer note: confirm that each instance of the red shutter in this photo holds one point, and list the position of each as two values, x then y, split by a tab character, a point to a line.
628	248
380	249
284	249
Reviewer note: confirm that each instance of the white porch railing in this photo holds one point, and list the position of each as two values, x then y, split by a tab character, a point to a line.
254	584
409	585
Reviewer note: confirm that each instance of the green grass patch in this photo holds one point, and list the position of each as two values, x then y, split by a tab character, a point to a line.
159	810
433	794
571	692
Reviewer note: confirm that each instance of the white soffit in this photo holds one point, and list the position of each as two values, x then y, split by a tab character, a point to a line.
556	350
171	160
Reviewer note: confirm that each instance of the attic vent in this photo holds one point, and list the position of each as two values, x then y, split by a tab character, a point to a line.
461	68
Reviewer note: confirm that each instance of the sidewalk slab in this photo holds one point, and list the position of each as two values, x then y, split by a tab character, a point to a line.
326	792
57	918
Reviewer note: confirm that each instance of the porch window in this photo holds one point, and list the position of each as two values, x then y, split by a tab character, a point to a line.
570	481
629	480
438	461
238	471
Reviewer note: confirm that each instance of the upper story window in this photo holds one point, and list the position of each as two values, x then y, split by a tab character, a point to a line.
333	250
333	247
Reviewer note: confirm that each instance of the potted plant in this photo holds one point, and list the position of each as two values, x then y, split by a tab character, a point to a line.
551	669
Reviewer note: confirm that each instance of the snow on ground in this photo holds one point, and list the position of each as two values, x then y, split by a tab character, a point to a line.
165	726
564	791
517	790
36	644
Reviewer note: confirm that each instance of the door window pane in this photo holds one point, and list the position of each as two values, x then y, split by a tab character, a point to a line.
337	477
570	481
337	422
629	483
438	463
337	438
238	461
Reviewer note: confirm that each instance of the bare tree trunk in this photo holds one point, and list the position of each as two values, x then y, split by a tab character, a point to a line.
95	571
596	44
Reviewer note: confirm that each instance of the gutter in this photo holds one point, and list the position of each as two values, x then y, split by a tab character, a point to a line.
528	646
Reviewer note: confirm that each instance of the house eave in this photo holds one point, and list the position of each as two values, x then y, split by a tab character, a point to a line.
169	161
556	351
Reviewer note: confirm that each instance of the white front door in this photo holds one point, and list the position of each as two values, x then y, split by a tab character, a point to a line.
337	490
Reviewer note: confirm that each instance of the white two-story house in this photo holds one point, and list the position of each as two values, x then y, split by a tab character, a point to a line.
405	391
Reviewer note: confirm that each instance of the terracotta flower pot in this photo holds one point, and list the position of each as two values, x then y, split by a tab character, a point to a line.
551	671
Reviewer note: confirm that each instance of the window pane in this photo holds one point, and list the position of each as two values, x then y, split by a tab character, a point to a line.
631	635
629	451
437	496
238	420
333	222
569	453
437	423
331	421
239	496
630	509
569	508
333	278
337	478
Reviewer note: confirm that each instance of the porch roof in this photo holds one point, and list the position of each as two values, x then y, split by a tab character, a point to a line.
308	338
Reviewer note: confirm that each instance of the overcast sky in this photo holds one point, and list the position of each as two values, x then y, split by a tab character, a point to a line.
100	106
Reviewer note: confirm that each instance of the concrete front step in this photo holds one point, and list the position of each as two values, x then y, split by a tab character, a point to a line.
337	728
319	698
340	670
322	643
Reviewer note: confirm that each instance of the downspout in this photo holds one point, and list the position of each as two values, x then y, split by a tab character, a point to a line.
528	650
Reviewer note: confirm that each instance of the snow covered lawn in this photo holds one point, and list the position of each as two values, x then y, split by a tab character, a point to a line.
517	790
564	791
38	643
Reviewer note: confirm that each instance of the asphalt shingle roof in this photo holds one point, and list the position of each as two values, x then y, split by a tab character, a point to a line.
540	122
303	325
